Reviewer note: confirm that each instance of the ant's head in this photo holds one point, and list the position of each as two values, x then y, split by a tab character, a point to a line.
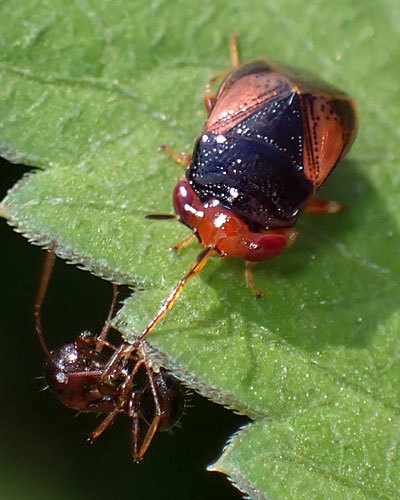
73	373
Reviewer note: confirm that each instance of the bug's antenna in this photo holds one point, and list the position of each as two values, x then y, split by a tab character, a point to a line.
44	283
160	216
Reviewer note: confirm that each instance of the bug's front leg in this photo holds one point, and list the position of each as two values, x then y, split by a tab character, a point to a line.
181	157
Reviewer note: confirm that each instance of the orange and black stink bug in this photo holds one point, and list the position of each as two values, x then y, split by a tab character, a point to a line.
272	137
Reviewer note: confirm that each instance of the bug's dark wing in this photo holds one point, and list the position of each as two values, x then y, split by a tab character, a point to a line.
244	91
329	127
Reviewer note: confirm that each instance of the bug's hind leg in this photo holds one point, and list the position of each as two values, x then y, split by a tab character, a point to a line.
233	38
323	207
209	94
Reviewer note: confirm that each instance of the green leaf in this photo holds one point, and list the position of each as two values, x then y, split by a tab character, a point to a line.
88	92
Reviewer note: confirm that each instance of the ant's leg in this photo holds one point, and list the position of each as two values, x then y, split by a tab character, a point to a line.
104	424
120	357
151	431
128	383
133	413
44	283
323	207
107	325
86	341
126	388
201	261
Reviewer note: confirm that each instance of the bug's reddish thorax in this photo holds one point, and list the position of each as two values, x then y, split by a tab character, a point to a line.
218	226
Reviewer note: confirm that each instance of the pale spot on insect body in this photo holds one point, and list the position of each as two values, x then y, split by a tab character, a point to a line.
221	139
192	210
233	194
220	220
62	378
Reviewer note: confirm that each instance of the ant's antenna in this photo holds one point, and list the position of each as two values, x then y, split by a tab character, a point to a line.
44	283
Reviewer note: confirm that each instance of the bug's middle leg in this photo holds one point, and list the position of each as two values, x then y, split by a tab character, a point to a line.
323	207
250	279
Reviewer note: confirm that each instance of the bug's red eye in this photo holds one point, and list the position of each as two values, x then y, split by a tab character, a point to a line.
182	196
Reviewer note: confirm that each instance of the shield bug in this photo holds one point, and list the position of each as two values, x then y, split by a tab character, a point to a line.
85	376
272	137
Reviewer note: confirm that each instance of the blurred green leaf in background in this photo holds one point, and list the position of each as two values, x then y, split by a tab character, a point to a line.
89	90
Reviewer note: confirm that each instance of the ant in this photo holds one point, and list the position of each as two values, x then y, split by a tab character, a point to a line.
85	376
